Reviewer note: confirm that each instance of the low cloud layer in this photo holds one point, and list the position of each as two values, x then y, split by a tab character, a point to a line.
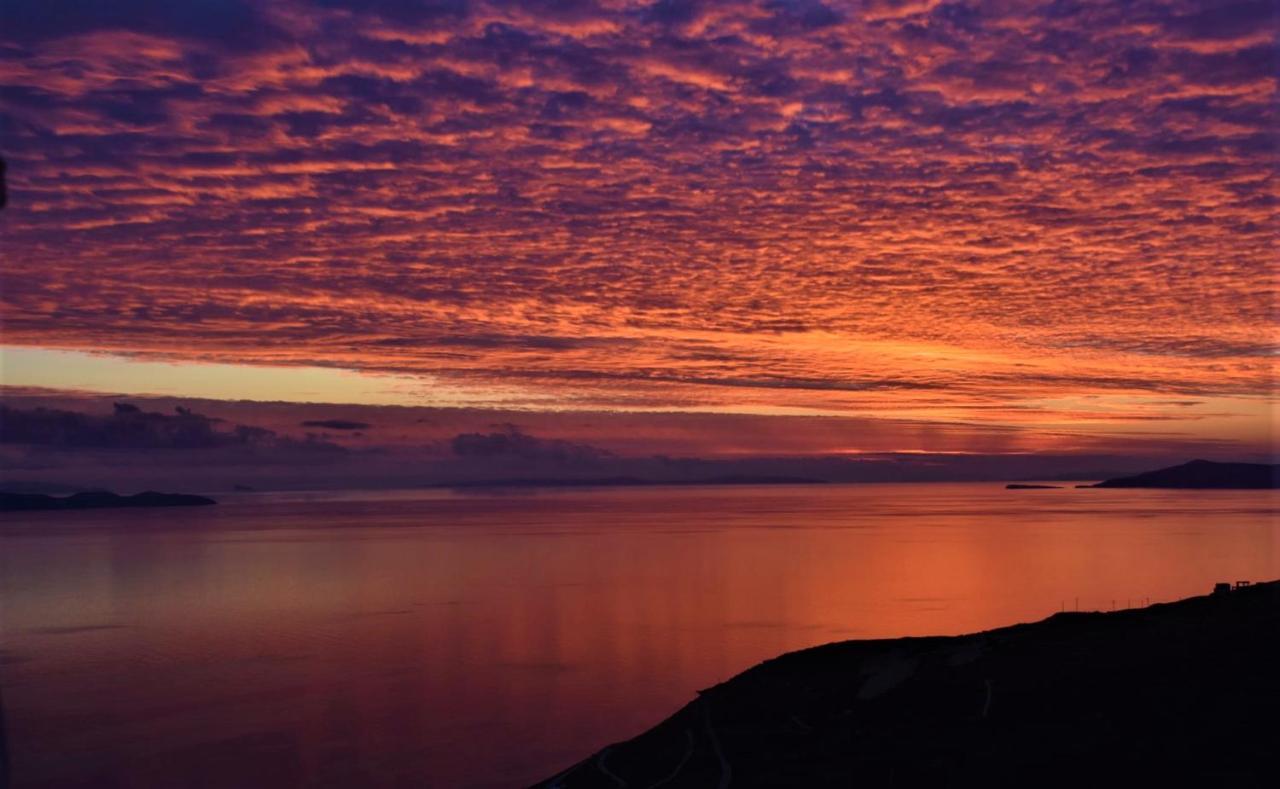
509	442
336	424
61	442
128	427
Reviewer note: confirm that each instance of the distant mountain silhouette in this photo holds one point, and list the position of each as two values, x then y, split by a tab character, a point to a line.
1202	474
1075	475
1178	694
12	502
626	482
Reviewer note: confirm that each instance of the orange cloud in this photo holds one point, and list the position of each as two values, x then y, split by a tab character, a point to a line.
985	213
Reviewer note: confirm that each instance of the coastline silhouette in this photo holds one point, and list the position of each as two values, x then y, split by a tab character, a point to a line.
1202	474
1177	694
93	500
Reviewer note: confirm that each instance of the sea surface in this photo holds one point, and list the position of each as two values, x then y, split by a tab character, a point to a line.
490	639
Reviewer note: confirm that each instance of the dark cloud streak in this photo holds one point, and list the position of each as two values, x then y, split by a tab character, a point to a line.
336	424
128	427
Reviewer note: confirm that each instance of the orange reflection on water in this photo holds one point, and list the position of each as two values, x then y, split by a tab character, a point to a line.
490	640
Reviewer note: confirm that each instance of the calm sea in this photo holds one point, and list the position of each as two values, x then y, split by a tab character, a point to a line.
453	640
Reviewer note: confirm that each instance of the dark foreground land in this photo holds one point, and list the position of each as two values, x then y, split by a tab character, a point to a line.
1179	694
14	502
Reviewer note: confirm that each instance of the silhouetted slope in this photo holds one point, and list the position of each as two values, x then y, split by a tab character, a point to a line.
11	502
1202	474
1177	694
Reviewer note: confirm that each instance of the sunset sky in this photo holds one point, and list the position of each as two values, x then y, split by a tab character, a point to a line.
693	229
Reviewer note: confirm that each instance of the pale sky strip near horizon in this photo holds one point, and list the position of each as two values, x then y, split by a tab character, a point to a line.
99	372
1247	422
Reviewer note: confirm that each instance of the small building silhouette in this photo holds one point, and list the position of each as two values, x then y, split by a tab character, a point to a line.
1226	588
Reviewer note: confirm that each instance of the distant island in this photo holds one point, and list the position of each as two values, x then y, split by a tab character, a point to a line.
92	500
1023	486
1171	695
1202	474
